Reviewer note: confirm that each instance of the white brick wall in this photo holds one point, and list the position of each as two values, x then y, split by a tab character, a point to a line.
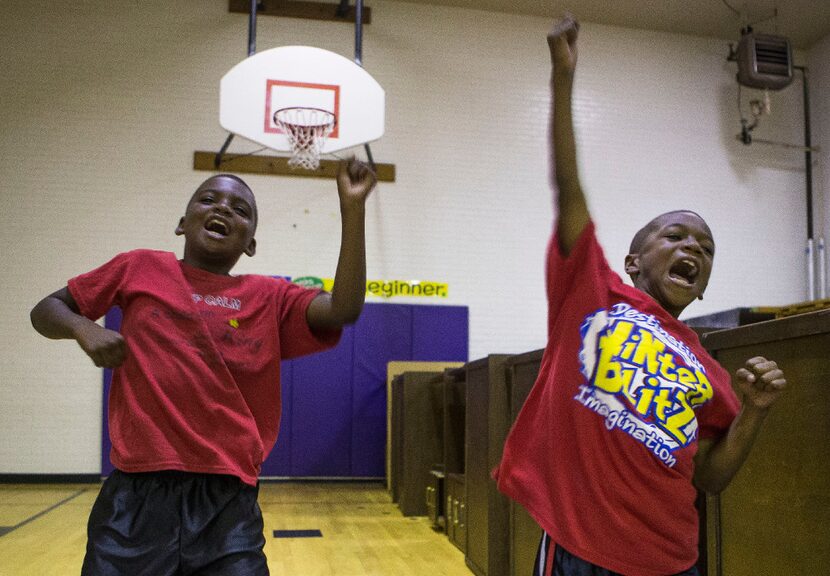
103	104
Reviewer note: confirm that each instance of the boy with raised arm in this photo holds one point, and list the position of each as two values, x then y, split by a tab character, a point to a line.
629	414
195	404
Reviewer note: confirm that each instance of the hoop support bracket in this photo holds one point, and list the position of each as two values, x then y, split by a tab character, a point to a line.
277	166
333	12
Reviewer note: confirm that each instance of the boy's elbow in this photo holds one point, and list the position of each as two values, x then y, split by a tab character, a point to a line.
346	307
705	477
36	316
352	314
711	479
710	486
335	317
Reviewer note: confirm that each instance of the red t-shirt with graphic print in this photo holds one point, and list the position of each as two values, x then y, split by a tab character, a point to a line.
199	390
601	454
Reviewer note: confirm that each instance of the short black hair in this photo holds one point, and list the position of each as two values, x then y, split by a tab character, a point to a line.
642	233
232	177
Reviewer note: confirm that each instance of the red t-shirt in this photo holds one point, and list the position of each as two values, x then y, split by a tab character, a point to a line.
601	454
199	390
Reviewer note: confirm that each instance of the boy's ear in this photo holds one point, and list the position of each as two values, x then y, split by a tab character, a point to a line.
632	264
251	249
180	227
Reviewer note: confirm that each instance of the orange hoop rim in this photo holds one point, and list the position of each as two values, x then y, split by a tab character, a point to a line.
280	120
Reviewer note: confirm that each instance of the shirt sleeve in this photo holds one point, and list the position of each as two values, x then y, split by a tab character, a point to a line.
98	290
296	336
715	418
585	266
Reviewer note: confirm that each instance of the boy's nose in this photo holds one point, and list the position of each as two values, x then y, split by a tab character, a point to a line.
692	244
223	206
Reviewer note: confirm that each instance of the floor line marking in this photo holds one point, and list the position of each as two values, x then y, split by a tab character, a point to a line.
298	534
8	529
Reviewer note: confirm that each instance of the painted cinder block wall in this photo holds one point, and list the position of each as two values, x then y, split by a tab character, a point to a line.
104	104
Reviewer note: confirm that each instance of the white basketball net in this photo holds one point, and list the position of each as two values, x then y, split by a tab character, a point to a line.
307	130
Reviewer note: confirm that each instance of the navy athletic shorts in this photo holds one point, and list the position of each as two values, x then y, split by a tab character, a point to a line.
175	524
566	564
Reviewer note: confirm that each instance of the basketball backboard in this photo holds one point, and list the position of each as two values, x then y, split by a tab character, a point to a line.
291	76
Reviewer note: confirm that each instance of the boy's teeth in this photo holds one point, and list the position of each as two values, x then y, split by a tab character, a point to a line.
216	225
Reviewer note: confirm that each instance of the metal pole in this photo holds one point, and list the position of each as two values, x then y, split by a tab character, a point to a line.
808	152
358	58
217	161
358	32
808	178
252	28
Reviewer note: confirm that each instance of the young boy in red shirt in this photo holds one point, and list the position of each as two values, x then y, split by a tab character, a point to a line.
629	414
195	404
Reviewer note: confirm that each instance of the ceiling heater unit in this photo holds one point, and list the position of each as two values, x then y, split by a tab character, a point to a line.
764	61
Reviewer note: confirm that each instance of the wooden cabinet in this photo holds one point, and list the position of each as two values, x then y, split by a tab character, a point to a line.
487	423
525	533
456	511
393	370
455	406
435	499
774	518
417	438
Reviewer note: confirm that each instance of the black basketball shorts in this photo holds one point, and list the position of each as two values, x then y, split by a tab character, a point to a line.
563	563
175	524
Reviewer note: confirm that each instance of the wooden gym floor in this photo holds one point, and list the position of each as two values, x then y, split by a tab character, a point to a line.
346	529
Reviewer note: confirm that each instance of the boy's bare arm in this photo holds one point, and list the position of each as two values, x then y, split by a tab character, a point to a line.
572	209
355	180
57	317
717	462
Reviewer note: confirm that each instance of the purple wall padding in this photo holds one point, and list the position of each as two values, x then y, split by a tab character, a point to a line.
440	333
112	321
320	405
279	461
334	403
383	333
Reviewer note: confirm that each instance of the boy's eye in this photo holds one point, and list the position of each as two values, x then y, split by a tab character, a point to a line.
241	210
206	199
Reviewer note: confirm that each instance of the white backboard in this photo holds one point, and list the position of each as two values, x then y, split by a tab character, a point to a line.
291	76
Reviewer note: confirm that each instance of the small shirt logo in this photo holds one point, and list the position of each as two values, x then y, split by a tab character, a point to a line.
222	301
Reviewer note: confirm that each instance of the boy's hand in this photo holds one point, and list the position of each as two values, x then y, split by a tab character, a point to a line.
562	43
355	180
761	382
106	347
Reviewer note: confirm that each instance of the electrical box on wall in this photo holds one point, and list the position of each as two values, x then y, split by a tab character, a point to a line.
764	61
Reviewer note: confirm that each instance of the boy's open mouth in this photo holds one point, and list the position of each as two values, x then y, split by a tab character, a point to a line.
217	226
684	271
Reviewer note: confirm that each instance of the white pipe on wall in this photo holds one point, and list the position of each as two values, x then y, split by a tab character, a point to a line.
811	272
822	275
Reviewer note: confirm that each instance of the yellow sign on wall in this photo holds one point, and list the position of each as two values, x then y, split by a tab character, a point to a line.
385	288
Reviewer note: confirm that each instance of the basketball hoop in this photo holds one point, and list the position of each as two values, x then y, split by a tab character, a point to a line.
306	130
